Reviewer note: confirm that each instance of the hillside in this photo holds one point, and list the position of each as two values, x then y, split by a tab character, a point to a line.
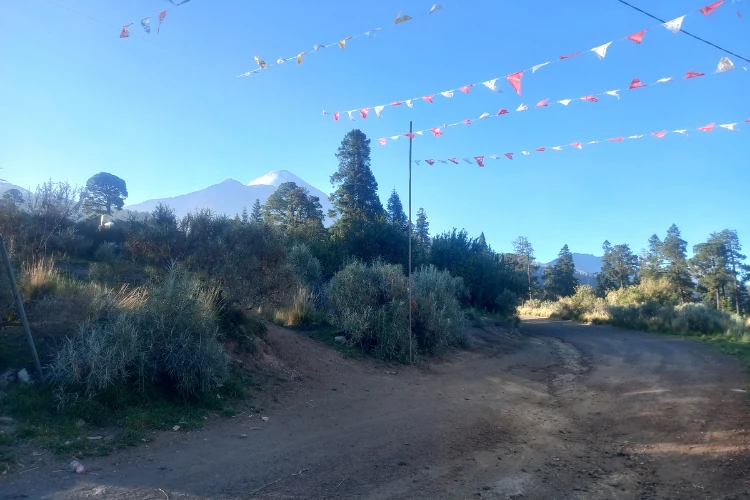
587	266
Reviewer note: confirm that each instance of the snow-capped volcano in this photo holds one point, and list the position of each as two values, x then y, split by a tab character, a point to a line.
277	178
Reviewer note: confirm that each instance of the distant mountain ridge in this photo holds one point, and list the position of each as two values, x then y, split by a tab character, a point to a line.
587	267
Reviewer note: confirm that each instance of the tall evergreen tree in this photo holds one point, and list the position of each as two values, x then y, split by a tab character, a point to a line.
652	260
395	213
709	265
481	245
422	232
245	218
604	277
676	270
736	268
619	267
560	279
292	206
525	255
256	216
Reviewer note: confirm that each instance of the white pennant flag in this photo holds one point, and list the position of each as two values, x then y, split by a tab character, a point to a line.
614	93
664	80
378	110
683	131
725	65
351	115
484	115
394	137
635	136
675	25
447	93
280	60
558	148
594	142
565	102
534	68
522	107
491	84
409	103
494	157
728	126
450	125
525	153
435	7
417	161
419	132
443	161
601	50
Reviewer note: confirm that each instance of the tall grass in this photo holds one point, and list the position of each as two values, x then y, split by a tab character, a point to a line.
39	278
301	312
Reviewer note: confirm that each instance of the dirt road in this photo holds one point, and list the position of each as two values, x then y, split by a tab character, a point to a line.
563	411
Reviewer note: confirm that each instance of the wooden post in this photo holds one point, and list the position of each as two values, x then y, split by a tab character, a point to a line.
410	299
21	311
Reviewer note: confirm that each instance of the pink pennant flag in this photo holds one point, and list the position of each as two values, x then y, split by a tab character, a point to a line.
539	149
707	128
710	8
542	103
509	156
693	74
569	56
453	160
617	139
747	121
590	98
409	135
431	162
637	37
428	98
336	116
436	131
466	122
396	103
382	141
162	15
515	81
636	83
480	160
465	89
576	145
364	112
502	112
659	135
125	33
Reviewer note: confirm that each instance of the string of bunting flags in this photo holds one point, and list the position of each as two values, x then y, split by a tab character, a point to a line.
514	79
400	18
480	160
146	21
724	66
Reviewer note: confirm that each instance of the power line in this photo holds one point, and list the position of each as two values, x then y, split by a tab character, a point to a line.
687	33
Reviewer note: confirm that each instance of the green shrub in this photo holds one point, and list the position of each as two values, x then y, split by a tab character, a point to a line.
305	265
437	320
506	302
648	290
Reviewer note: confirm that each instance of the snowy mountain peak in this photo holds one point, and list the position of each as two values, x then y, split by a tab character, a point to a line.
277	178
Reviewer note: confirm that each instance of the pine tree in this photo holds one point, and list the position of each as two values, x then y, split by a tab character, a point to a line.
245	218
619	267
652	260
604	277
422	233
395	213
256	216
559	278
481	245
709	265
525	255
292	206
676	270
735	266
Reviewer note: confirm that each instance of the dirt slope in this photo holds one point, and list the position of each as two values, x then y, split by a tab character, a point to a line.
565	412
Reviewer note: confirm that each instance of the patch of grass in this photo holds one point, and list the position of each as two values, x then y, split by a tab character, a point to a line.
327	335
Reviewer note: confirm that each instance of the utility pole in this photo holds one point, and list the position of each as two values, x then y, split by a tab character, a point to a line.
19	304
411	141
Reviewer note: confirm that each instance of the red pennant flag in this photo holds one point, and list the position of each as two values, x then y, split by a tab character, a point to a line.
739	15
569	56
336	116
659	135
382	141
576	145
616	139
436	131
466	122
515	81
480	160
542	103
364	112
693	74
590	98
409	135
428	98
453	160
502	112
637	37
707	128
539	149
125	33
431	162
509	156
636	83
710	8
464	89
397	103
162	15
747	121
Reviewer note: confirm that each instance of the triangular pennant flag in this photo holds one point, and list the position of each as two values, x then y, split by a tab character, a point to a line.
417	161
409	135
725	65
395	137
707	128
443	161
378	109
382	141
492	85
693	74
364	112
465	89
484	115
419	132
453	160
683	131
342	43
614	93
503	111
447	93
468	160
593	142
557	148
372	33
515	81
466	122
261	63
576	145
569	56
395	103
601	50
125	33
480	160
525	153
428	98
318	46
710	8
665	80
534	68
617	139
409	103
728	126
402	19
509	156
522	107
565	102
280	60
747	121
541	150
300	57
336	116
637	37
542	103
146	23
435	7
431	162
675	25
351	115
635	136
494	157
162	15
436	131
636	83
590	98
659	135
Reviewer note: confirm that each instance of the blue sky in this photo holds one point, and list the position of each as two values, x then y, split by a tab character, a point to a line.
168	115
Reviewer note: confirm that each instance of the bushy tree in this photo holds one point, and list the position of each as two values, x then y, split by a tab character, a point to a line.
560	279
619	267
104	192
291	207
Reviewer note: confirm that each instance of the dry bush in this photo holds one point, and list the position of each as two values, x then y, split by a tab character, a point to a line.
39	278
301	312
